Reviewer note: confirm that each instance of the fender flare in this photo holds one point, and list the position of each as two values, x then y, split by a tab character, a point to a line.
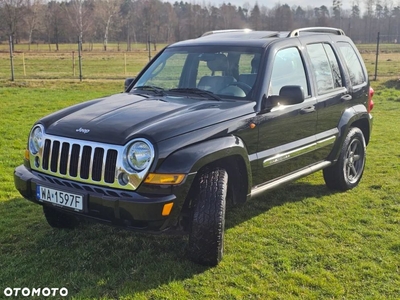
349	117
192	158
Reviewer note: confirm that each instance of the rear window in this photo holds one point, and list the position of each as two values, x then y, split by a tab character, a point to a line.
325	67
353	63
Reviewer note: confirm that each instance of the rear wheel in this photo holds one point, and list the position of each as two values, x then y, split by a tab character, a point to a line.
58	219
206	237
348	170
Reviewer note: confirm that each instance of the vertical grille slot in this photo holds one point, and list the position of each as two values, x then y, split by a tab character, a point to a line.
64	158
46	154
85	162
97	164
73	166
55	152
109	170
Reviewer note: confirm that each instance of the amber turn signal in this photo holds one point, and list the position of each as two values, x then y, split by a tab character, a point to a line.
167	209
154	178
26	155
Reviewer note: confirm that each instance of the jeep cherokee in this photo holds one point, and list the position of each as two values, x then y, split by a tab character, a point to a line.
211	121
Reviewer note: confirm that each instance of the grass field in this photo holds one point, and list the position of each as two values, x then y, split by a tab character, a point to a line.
44	63
302	241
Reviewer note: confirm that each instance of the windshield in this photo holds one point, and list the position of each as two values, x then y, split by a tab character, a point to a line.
220	71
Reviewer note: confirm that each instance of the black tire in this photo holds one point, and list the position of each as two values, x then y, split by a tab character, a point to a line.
206	237
346	173
58	219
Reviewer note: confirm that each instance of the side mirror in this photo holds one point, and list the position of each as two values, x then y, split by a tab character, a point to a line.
291	94
288	95
128	82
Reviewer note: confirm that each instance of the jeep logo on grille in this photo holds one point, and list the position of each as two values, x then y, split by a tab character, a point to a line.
83	130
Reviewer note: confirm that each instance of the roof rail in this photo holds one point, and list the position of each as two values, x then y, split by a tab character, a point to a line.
296	32
225	30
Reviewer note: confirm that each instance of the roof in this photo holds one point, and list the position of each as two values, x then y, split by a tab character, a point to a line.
247	37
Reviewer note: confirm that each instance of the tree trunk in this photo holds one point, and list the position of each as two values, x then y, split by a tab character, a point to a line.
106	32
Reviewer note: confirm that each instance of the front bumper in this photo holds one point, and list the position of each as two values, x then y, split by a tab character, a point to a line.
118	207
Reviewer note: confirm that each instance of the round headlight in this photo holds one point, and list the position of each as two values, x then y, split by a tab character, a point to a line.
139	155
36	139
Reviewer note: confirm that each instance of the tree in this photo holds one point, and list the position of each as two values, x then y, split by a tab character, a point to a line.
255	17
337	9
80	14
283	18
55	23
322	15
105	12
31	16
127	12
11	17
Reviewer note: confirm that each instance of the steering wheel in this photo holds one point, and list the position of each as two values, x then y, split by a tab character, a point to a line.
244	86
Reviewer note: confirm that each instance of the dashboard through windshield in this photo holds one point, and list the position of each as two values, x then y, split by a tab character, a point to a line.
213	72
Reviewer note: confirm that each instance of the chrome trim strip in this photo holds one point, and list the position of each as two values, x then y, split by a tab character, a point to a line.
91	163
103	166
325	142
135	177
277	182
298	151
69	158
78	171
288	155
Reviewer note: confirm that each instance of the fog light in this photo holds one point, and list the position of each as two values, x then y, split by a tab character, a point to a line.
37	162
123	179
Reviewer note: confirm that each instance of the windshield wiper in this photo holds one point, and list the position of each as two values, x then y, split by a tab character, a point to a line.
198	92
150	88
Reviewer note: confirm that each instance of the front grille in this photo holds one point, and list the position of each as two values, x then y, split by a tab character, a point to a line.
78	161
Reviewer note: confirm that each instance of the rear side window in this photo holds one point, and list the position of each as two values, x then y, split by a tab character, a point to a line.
325	67
353	63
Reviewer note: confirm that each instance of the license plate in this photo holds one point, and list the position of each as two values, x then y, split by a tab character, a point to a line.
59	198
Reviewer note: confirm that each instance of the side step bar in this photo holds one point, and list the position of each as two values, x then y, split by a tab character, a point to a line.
256	191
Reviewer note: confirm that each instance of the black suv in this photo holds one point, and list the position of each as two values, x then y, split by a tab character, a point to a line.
209	122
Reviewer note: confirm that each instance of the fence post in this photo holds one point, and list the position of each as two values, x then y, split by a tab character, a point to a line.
23	63
73	62
124	62
80	57
148	45
377	54
11	58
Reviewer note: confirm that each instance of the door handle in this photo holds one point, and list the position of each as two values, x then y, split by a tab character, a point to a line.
307	110
346	97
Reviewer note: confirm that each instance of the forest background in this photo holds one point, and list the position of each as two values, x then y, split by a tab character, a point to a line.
127	22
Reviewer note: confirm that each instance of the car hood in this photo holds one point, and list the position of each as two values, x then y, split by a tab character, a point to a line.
117	119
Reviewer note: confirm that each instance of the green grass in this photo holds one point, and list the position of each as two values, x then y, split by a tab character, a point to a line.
301	241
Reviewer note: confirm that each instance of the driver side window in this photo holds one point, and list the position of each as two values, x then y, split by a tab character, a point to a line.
288	69
167	75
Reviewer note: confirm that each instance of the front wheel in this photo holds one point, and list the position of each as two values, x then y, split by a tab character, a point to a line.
206	237
348	170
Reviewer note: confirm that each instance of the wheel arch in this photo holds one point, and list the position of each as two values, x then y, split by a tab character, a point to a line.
228	152
356	116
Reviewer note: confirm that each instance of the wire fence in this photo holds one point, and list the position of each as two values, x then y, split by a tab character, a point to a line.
382	60
56	65
19	62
